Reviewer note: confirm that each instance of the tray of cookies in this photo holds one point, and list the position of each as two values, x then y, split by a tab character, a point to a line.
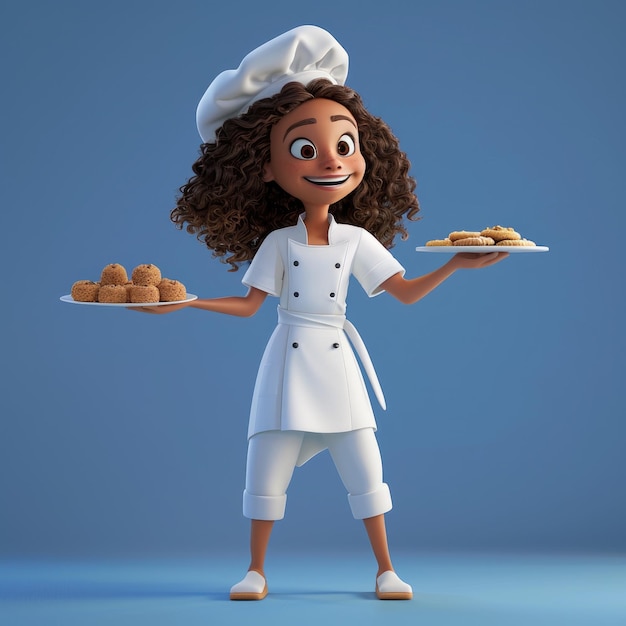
146	287
491	239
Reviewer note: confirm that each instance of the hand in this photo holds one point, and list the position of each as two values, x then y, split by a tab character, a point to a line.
471	260
159	310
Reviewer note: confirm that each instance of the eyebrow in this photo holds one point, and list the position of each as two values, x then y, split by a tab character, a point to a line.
336	118
312	120
308	120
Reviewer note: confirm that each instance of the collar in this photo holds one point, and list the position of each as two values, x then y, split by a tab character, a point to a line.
302	232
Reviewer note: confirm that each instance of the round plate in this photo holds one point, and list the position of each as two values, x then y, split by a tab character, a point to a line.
128	305
481	249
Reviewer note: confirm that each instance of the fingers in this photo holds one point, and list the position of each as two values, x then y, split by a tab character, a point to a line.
473	260
489	258
159	310
495	257
143	309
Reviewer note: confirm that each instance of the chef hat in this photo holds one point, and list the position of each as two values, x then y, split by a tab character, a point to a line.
302	55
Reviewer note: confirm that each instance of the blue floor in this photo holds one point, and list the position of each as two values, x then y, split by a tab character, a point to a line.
484	590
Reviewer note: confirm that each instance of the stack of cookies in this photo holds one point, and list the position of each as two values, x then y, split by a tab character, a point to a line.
145	286
492	236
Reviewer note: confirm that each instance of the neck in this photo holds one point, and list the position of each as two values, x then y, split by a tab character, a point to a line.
316	222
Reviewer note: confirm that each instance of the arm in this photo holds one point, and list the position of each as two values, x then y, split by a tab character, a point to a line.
241	306
411	290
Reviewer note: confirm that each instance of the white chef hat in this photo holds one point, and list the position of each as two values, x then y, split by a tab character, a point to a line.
301	54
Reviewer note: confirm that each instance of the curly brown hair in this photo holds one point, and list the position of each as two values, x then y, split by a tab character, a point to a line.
231	209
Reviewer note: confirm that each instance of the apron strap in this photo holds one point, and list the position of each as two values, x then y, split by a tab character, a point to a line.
361	350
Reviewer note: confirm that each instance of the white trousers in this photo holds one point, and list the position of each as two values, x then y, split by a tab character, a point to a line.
272	457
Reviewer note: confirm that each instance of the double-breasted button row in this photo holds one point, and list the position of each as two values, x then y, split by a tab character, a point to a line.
296	294
296	263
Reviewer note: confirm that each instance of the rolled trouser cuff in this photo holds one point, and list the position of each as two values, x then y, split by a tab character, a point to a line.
264	507
371	504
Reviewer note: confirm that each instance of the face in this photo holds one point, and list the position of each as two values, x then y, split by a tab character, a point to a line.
315	154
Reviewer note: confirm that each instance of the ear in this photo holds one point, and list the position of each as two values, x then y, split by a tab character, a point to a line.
268	175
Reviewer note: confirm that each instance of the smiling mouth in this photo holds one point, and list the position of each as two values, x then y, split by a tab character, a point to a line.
327	181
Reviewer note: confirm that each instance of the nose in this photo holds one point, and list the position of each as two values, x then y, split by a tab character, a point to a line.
331	161
328	158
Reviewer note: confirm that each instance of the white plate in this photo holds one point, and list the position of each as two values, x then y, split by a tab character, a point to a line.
190	298
481	249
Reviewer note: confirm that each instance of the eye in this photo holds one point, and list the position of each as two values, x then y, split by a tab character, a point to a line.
345	146
303	149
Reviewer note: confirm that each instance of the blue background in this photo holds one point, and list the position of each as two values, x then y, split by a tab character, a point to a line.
124	434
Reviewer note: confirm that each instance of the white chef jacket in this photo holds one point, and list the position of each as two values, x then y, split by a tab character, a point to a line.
309	379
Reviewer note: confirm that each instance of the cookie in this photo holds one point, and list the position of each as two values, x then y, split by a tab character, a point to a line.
499	233
516	242
146	274
113	274
143	294
171	290
474	241
462	234
112	294
439	242
85	291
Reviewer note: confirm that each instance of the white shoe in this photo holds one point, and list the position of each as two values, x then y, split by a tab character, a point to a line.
252	587
390	587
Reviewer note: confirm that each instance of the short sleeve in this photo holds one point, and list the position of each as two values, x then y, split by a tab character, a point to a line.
266	270
374	264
